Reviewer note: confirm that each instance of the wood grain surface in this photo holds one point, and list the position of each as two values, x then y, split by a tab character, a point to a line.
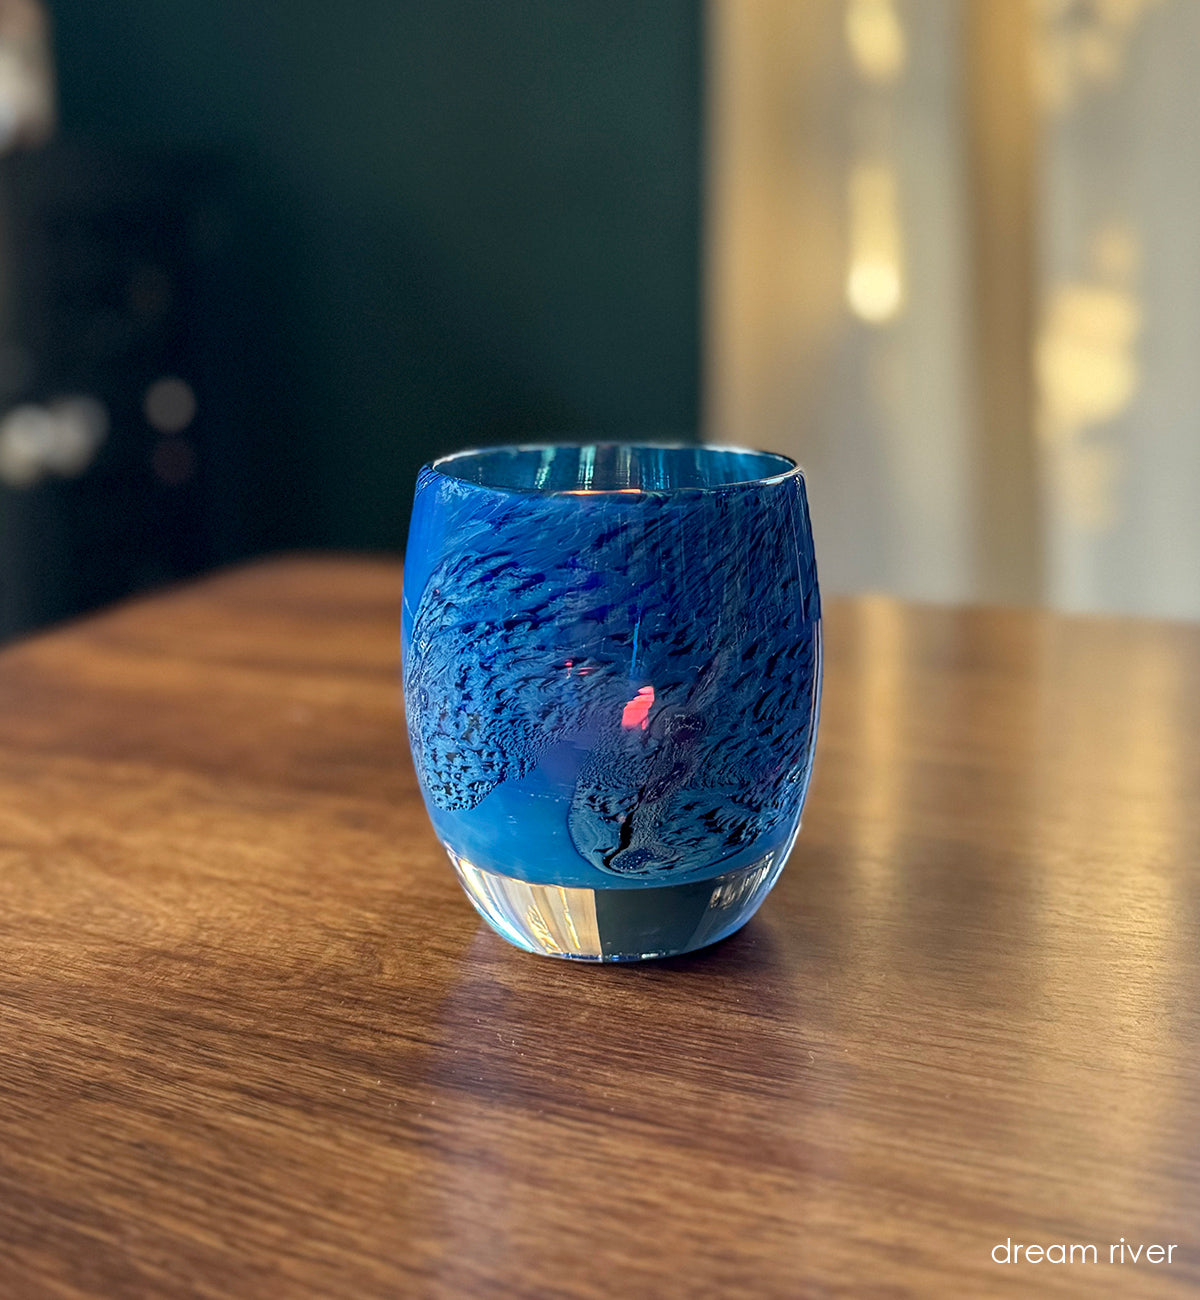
254	1042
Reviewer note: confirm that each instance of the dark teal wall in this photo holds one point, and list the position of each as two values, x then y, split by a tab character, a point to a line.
457	221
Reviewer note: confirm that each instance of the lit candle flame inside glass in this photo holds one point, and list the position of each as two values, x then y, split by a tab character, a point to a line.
636	713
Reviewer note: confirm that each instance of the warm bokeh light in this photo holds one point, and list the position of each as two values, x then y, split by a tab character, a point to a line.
873	289
1088	373
1085	359
876	39
874	279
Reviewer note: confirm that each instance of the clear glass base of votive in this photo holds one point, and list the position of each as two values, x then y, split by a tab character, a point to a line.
632	924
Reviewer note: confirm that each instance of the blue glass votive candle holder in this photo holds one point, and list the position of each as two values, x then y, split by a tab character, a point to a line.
612	668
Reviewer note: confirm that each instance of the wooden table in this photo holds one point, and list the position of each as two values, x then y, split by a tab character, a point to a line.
255	1042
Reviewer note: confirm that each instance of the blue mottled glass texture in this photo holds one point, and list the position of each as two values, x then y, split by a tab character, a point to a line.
612	660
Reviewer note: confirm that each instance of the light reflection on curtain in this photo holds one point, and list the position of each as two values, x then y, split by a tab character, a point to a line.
1119	350
953	268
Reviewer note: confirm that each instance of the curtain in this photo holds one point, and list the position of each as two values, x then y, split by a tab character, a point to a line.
952	268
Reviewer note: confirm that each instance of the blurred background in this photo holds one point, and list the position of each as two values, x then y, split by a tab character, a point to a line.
259	262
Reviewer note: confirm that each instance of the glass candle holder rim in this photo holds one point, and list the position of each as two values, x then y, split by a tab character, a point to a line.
791	469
